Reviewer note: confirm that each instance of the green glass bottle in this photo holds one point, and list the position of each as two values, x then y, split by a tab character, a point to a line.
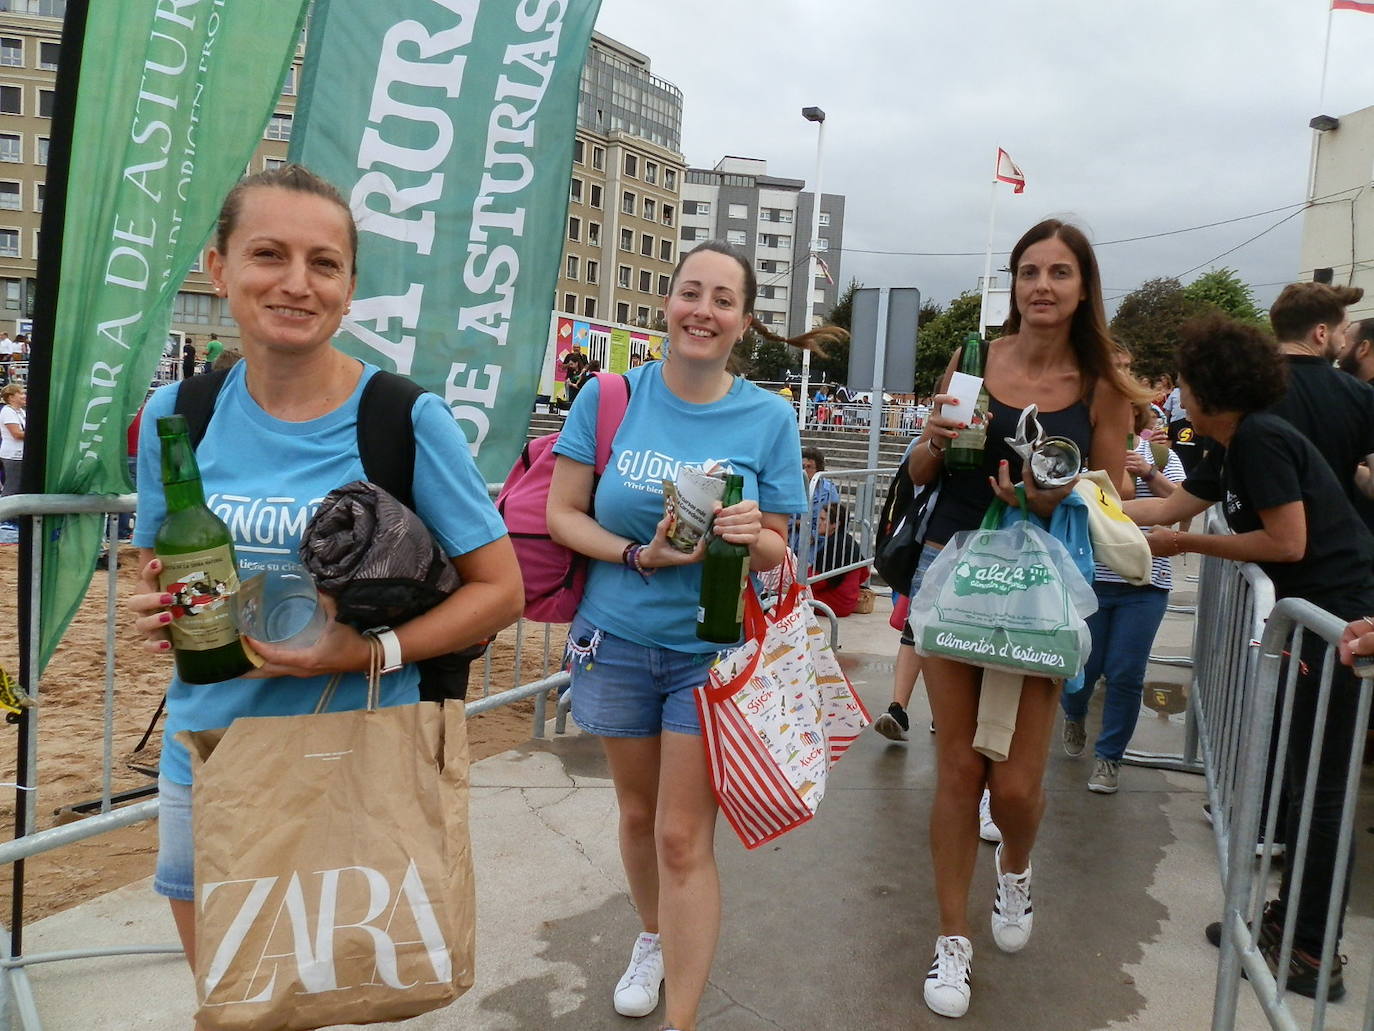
720	613
965	452
198	568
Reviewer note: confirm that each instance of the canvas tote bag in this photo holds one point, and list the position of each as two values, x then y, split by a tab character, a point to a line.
776	714
333	866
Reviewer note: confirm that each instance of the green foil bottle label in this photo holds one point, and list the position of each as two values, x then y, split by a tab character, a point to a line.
202	585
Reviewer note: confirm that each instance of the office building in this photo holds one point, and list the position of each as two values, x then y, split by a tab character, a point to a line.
1338	226
769	219
30	44
622	233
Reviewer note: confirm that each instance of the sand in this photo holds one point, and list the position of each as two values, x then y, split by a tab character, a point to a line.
70	732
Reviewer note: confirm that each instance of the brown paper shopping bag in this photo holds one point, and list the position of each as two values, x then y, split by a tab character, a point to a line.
333	867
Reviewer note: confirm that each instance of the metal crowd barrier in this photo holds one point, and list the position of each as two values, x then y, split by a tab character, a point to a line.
1233	601
1237	777
859	494
856	415
16	997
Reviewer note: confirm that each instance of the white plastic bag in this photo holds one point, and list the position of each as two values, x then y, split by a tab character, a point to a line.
1008	599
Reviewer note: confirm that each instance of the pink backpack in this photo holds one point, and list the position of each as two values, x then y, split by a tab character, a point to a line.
554	575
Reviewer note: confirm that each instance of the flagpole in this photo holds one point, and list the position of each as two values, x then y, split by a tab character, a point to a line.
33	476
987	262
1326	56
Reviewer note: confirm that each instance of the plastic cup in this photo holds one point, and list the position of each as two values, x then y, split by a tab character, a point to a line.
1159	451
281	607
964	388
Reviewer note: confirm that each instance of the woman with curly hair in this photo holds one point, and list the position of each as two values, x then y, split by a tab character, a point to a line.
1291	517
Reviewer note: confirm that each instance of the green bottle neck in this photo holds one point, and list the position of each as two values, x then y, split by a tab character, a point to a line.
180	475
734	491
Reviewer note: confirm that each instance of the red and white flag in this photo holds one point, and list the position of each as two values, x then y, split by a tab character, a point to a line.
1007	172
824	270
1367	6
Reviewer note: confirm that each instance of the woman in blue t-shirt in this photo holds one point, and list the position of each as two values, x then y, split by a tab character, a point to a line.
282	435
636	659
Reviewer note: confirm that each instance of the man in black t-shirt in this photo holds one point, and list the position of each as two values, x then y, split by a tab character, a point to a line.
1332	410
1357	352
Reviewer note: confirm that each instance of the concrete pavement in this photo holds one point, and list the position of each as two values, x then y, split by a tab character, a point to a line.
829	927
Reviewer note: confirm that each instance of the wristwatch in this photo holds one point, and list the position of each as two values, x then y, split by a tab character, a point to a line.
391	647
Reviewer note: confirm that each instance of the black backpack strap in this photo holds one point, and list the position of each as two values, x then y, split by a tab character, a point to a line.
196	401
386	434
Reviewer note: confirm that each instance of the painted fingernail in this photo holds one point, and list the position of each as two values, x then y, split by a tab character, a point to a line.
164	645
1003	462
164	599
165	617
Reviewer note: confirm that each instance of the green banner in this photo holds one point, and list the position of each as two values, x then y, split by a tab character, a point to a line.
450	125
172	102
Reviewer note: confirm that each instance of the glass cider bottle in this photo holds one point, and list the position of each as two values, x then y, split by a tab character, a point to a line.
724	577
965	452
198	568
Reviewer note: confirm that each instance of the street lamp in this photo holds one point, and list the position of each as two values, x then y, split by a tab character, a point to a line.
811	114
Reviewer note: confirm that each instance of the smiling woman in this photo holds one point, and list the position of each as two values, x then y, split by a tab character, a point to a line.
636	658
283	434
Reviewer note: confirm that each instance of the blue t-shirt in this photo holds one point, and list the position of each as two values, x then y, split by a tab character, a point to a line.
265	478
754	432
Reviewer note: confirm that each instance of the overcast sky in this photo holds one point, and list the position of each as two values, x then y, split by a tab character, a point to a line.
1132	118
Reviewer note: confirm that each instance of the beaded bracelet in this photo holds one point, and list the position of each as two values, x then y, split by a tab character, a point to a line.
630	557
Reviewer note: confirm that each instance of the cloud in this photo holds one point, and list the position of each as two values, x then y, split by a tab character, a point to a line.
1136	118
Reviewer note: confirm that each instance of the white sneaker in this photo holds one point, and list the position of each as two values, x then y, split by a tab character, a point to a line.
1011	908
950	981
987	830
636	995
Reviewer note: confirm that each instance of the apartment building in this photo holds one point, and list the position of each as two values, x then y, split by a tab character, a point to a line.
30	46
624	192
769	219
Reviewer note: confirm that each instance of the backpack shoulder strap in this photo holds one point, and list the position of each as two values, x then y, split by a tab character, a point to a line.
386	434
196	401
613	401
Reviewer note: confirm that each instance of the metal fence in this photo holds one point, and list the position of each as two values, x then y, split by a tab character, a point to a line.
502	682
1296	702
857	495
1253	660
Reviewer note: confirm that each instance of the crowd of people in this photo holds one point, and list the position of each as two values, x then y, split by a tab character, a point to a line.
1273	431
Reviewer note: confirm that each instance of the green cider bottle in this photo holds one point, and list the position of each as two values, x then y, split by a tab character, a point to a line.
724	574
965	452
198	568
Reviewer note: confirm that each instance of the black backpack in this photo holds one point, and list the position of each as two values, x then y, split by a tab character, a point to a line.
902	529
386	444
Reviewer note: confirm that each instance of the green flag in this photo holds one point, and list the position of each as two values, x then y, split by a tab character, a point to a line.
172	101
450	125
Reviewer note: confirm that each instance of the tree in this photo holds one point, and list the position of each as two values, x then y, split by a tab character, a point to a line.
1148	321
942	335
768	359
1223	289
833	366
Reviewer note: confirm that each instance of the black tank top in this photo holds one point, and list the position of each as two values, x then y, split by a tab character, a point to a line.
966	495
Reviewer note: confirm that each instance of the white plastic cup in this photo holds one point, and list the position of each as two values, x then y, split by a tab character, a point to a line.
282	607
964	389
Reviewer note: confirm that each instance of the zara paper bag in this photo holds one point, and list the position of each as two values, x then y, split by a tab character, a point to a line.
333	867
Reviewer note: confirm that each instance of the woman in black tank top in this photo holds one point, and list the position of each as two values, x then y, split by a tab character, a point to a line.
1058	355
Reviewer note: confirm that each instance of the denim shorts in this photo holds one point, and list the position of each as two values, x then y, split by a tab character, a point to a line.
176	876
623	689
929	553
